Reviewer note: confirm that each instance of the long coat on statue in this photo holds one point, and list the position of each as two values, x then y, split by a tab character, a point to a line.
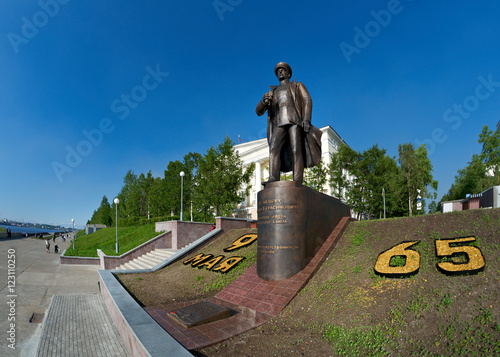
312	140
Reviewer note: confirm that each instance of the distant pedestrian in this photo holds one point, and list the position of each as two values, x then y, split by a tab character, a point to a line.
54	238
56	249
47	245
9	233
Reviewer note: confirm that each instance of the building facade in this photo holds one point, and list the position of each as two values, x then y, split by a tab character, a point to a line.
92	228
257	152
489	198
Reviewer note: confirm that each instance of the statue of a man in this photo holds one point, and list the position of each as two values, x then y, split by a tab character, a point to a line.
293	142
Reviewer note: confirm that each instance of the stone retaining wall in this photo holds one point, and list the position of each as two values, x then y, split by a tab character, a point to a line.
79	260
13	235
226	223
162	241
140	333
183	232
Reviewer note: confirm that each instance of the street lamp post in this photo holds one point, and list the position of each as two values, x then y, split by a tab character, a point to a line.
116	201
383	196
182	186
73	230
419	201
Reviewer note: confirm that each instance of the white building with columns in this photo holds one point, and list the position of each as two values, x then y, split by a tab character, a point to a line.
257	152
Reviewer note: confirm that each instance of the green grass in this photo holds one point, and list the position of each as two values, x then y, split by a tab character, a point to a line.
485	316
418	305
397	261
445	302
361	341
2	229
105	239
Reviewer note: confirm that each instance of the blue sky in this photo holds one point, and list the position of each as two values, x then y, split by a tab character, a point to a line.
92	89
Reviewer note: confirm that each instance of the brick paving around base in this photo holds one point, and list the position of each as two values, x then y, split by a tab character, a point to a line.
79	325
256	301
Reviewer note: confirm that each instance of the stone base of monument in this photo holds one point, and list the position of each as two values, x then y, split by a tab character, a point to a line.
293	223
255	300
200	313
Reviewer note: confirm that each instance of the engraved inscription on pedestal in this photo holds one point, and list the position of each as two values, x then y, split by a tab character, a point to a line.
293	223
281	225
200	314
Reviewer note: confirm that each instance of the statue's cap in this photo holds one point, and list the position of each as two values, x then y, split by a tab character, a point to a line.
282	65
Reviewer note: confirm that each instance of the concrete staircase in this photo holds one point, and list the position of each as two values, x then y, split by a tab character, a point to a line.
148	260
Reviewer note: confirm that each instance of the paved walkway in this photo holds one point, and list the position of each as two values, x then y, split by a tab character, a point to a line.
39	277
79	325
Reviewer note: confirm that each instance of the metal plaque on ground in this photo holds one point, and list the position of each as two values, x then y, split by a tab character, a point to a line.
199	314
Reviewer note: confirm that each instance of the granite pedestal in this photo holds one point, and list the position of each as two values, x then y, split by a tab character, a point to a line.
293	223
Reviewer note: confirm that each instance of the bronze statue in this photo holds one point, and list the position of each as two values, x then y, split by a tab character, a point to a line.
293	142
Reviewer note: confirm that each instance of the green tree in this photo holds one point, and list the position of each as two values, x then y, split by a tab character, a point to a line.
191	162
316	177
433	207
156	198
340	168
471	179
144	182
103	214
372	171
172	187
482	172
416	173
220	177
490	156
130	197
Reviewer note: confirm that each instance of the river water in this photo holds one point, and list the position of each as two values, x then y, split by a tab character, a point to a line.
29	230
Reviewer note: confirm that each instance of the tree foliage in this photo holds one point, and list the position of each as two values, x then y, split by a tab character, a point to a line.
316	177
103	215
342	163
416	174
211	185
359	178
220	178
482	172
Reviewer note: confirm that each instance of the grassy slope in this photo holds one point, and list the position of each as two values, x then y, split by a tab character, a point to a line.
178	282
105	239
347	310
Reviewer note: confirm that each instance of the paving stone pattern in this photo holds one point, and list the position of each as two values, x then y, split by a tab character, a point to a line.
79	325
257	301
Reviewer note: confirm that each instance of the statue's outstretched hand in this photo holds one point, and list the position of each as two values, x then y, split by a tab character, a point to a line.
267	98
